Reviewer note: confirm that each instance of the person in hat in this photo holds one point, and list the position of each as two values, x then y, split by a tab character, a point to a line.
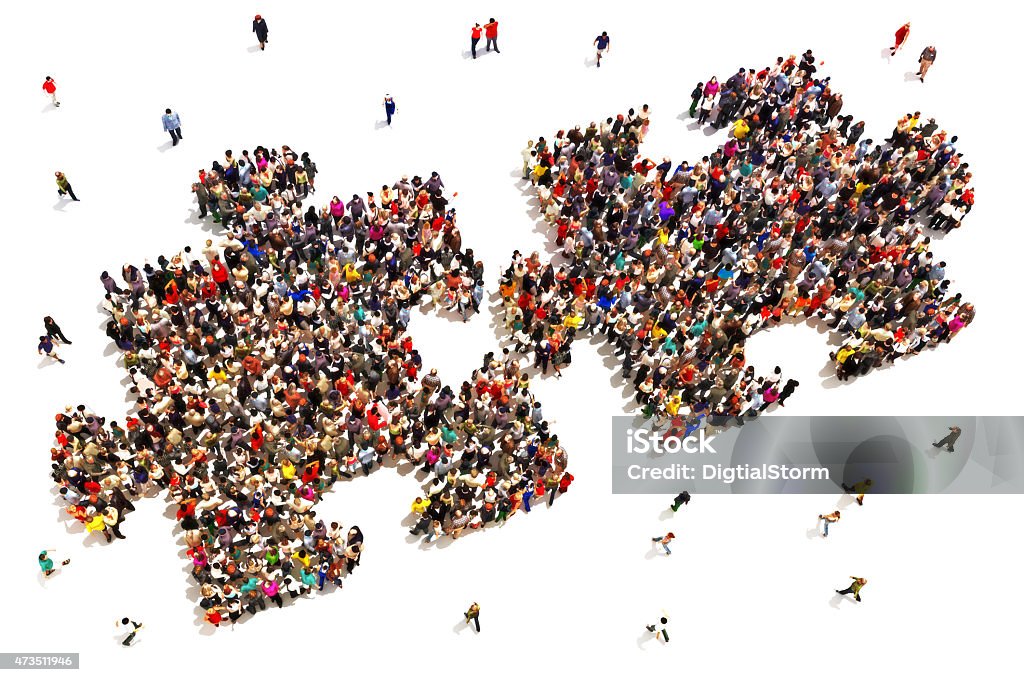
389	107
259	27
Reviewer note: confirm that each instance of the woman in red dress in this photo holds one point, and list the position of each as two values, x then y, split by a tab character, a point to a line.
902	33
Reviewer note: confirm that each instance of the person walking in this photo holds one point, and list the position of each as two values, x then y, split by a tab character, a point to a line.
679	500
949	440
787	391
64	186
474	38
129	628
854	588
50	88
603	43
925	61
491	32
664	541
172	125
46	563
46	348
828	518
859	489
473	614
660	628
902	33
259	27
389	107
53	330
695	96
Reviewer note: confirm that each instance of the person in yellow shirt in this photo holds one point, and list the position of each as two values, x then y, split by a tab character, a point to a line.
740	129
572	321
419	505
98	524
287	470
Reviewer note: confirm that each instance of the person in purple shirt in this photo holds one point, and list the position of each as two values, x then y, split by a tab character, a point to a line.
46	348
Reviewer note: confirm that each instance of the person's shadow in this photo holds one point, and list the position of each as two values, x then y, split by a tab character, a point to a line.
643	639
381	124
838	599
253	48
910	76
165	146
886	54
463	625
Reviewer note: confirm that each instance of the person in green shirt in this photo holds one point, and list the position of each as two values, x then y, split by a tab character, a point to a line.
64	186
473	614
855	587
46	563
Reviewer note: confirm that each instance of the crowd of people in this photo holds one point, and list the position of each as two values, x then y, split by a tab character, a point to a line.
797	215
278	360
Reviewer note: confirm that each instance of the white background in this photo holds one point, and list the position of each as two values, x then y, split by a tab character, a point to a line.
565	591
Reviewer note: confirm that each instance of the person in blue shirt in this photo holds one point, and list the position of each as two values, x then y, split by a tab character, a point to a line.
46	348
389	107
603	44
172	125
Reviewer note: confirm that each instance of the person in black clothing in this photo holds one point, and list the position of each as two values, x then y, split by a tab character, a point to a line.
679	500
950	439
53	330
787	391
259	27
132	630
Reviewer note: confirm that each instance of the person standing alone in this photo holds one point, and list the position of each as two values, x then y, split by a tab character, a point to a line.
950	439
389	107
259	27
50	87
603	43
172	125
64	186
854	588
491	31
474	38
473	614
925	61
902	33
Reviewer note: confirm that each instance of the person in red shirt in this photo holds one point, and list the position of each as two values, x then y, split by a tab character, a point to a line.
50	87
491	30
474	38
902	33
